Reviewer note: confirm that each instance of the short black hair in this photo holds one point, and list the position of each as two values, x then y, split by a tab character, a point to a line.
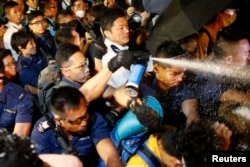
4	53
1	67
34	14
63	35
17	151
9	5
64	52
227	38
168	49
20	38
65	96
109	17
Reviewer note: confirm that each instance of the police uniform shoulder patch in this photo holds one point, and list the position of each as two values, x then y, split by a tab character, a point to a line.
43	126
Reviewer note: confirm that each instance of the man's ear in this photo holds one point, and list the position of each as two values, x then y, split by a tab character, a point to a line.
228	59
7	15
156	68
65	72
107	33
19	48
57	119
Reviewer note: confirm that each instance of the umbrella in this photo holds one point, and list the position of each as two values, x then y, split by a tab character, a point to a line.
182	18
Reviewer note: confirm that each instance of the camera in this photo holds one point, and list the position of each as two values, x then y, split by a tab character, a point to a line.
136	17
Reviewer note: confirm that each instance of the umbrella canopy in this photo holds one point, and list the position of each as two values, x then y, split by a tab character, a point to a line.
182	18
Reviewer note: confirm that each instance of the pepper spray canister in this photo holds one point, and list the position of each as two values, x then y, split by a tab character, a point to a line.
135	79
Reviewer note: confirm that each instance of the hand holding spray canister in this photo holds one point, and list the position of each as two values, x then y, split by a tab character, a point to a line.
137	72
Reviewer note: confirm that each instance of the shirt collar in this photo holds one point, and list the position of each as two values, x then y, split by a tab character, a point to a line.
109	43
18	27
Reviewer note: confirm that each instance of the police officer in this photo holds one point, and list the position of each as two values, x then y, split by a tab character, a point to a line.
30	63
15	107
80	127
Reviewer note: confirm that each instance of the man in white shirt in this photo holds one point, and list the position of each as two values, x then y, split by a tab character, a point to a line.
115	28
14	16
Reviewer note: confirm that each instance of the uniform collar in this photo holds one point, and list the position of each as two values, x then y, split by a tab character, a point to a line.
3	94
71	83
114	46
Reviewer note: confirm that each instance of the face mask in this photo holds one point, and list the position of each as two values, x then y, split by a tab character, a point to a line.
80	13
136	18
65	4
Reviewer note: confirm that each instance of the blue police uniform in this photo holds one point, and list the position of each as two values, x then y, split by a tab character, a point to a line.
66	82
208	89
46	44
16	106
29	69
170	100
46	141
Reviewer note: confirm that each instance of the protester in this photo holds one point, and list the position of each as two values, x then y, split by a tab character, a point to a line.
208	34
236	117
231	52
168	85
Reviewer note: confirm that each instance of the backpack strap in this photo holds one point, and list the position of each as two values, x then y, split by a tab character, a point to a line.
148	156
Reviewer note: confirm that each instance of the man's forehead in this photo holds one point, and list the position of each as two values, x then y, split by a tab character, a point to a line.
120	21
176	69
77	57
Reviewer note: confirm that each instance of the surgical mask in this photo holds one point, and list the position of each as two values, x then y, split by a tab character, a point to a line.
80	13
136	18
65	4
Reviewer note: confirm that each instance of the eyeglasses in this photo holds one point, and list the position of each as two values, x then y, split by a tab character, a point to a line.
82	65
78	120
43	21
11	64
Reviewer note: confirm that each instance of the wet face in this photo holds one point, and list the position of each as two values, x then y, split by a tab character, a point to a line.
75	120
119	32
38	25
14	15
169	77
9	66
240	57
76	69
30	48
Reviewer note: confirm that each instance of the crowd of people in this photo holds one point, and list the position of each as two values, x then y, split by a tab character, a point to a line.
88	50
